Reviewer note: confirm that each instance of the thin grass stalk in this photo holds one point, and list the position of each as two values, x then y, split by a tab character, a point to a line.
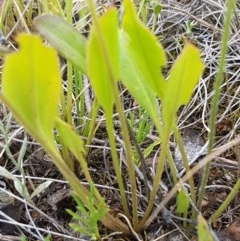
29	13
110	130
39	8
21	155
172	167
89	129
157	178
3	13
67	104
129	156
79	98
22	20
142	10
5	130
154	22
26	11
186	177
59	7
214	105
63	105
45	6
69	6
69	93
187	167
227	201
159	171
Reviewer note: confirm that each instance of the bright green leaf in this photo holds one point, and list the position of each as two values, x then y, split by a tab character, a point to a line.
103	58
182	80
182	202
63	37
203	231
70	139
31	85
143	49
74	143
132	78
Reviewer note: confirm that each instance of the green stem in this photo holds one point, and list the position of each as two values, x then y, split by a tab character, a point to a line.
131	171
45	6
69	93
80	190
157	178
224	205
130	163
3	13
69	5
172	167
90	127
214	105
187	167
116	165
78	95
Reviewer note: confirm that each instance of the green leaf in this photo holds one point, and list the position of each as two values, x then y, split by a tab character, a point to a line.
31	85
70	139
132	78
203	231
70	43
103	58
182	80
157	8
182	202
143	48
73	142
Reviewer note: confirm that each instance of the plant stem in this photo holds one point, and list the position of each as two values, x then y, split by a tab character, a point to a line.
157	178
115	160
186	165
81	191
69	93
214	105
89	129
122	119
69	5
223	206
130	163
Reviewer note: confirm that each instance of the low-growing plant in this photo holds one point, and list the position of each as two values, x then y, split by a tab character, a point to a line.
85	221
130	54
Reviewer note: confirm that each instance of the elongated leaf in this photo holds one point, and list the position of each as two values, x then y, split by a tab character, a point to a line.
31	85
63	37
103	58
183	77
143	48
